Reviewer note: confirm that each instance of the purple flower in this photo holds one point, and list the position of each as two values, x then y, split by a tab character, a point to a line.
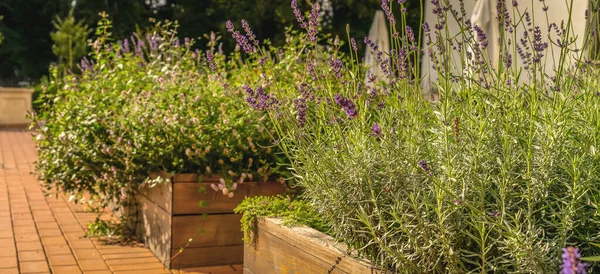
385	5
211	61
410	34
298	14
376	129
229	26
337	66
425	167
125	47
481	37
301	108
571	261
249	32
494	213
353	44
259	99
306	91
347	105
313	23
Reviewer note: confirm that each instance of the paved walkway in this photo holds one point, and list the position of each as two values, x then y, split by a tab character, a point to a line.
45	234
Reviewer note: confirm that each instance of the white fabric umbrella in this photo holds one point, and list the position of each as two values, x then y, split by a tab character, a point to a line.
379	36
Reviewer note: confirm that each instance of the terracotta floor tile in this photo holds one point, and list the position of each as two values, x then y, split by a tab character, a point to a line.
7	242
99	272
27	238
92	264
38	255
54	240
144	271
29	246
90	253
50	233
4	234
8	262
26	222
57	250
8	251
149	266
47	225
81	244
128	260
72	228
70	269
9	270
146	254
33	267
62	260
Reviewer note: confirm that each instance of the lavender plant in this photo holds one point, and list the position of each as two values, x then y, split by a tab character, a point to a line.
497	175
147	104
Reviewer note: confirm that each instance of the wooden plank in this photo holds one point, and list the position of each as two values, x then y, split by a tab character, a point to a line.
208	256
195	178
248	271
280	249
214	230
160	194
187	196
154	229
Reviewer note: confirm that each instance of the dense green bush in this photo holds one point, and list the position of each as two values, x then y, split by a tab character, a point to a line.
144	105
497	175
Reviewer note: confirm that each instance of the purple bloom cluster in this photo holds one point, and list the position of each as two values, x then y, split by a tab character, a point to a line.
337	67
571	261
249	32
385	5
301	108
538	45
353	44
410	34
481	37
241	40
298	14
211	61
259	99
425	167
313	23
376	129
306	91
347	105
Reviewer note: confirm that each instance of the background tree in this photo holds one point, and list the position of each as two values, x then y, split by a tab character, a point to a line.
70	41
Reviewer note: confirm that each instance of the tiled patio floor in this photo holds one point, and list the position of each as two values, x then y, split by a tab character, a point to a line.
45	234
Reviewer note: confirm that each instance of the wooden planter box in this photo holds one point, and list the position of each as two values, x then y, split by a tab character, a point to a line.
15	103
169	215
299	250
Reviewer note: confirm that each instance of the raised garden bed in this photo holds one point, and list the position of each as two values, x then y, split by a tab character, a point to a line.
281	249
15	103
169	215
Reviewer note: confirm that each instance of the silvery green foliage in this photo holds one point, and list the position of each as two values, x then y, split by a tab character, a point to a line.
497	173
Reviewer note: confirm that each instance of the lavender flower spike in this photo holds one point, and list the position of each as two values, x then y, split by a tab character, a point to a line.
298	14
376	129
571	263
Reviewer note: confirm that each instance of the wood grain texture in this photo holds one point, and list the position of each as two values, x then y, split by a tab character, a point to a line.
300	250
212	230
154	229
208	256
187	195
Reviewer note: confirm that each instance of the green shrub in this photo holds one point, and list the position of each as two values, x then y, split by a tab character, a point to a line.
292	212
144	105
496	176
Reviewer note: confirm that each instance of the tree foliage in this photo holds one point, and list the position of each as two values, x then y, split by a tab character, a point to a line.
70	41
